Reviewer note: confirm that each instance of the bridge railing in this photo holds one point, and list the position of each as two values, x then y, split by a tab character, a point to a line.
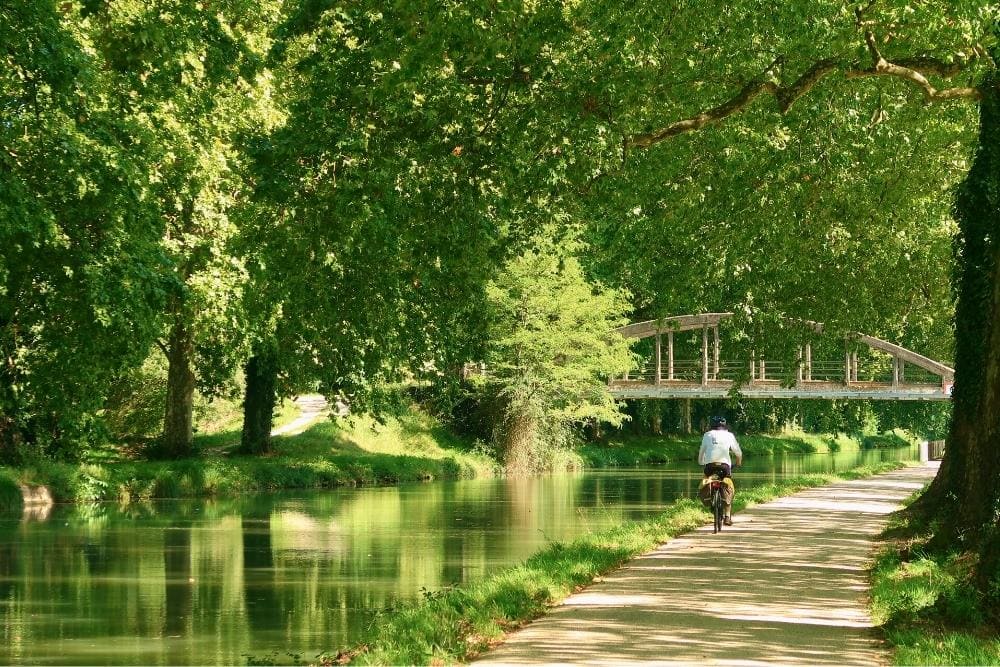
730	370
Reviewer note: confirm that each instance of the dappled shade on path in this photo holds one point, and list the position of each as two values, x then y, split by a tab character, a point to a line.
785	585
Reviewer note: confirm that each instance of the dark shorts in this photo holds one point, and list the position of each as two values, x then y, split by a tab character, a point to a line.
722	468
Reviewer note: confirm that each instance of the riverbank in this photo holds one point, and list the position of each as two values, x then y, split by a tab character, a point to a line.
924	602
456	624
652	450
412	446
362	452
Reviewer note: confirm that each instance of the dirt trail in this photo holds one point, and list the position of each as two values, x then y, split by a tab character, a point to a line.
786	585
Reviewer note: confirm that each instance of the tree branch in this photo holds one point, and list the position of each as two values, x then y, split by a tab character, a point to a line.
882	67
907	69
747	94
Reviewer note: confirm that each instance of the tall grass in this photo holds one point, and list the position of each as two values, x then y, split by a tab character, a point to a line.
456	624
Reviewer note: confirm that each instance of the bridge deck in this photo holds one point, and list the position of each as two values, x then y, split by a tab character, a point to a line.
623	389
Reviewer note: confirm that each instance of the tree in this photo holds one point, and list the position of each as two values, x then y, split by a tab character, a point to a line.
82	276
965	497
550	351
391	192
193	74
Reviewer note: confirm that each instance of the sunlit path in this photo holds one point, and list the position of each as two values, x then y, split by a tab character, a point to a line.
785	585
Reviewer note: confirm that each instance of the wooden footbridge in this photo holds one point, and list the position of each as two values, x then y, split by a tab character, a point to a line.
867	367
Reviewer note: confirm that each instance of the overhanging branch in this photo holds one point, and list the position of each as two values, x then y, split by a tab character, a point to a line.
742	99
909	69
882	67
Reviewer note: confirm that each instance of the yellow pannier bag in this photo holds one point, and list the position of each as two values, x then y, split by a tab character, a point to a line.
705	491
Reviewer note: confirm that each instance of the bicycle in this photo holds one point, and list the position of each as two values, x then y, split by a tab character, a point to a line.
717	503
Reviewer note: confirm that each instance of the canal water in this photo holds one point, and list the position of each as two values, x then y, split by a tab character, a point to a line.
286	576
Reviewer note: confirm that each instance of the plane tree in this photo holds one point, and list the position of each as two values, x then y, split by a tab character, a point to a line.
387	197
82	275
193	75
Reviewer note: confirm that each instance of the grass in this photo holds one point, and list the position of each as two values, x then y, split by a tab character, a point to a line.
456	624
924	602
10	493
413	447
222	428
644	450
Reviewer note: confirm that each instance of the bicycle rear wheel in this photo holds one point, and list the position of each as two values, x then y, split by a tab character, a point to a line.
717	506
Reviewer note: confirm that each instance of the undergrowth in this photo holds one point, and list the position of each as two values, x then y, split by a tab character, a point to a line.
362	452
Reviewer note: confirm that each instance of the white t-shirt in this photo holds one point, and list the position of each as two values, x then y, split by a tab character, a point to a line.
716	446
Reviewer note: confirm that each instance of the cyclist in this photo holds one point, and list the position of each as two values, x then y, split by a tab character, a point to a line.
716	447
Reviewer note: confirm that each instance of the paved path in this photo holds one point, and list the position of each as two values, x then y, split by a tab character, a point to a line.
312	408
785	585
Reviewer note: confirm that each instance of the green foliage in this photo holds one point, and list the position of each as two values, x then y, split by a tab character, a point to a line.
550	347
141	481
640	450
386	190
750	416
82	277
887	440
10	492
410	447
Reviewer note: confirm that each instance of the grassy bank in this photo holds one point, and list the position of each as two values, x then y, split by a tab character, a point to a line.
643	450
411	447
454	625
925	604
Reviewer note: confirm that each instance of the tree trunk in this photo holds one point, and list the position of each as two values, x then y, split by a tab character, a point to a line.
517	442
686	417
259	400
966	492
178	434
264	610
179	594
10	429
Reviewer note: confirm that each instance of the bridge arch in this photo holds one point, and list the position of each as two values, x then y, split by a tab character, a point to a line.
933	380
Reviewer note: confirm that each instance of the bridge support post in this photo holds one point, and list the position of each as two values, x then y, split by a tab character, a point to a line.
895	372
798	369
753	366
809	362
715	353
704	354
657	378
854	366
670	355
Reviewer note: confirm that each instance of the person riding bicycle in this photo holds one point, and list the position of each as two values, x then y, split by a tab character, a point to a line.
716	447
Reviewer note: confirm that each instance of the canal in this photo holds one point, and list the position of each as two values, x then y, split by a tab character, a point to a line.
287	576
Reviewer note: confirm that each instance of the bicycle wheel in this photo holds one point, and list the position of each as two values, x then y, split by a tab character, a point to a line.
717	508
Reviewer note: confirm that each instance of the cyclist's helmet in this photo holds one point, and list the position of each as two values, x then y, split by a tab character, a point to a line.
717	422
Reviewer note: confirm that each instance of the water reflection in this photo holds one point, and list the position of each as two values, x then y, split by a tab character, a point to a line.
210	582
